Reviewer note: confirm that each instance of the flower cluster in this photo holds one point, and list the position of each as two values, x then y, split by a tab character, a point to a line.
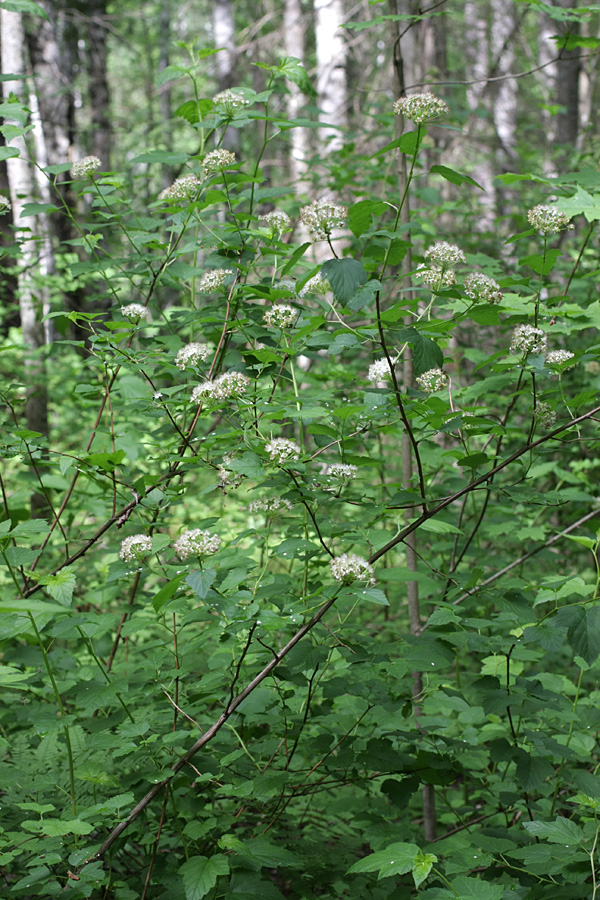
228	103
277	220
544	414
217	160
432	380
379	370
282	450
280	315
343	471
85	166
321	217
227	477
271	506
435	277
419	108
315	285
527	339
548	219
135	547
5	204
184	188
482	288
213	280
196	542
559	357
135	311
228	385
444	254
349	567
192	354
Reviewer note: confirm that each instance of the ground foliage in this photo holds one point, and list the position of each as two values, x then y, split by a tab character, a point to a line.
237	723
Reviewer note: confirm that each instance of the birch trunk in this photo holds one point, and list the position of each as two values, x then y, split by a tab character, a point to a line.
294	42
226	60
331	72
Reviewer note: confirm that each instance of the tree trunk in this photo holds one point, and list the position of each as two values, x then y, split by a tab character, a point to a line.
331	72
99	95
294	40
226	60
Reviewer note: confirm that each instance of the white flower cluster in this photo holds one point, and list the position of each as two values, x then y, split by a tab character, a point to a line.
559	357
527	339
482	288
280	315
228	478
435	277
213	280
277	220
343	471
226	386
349	567
192	354
196	542
379	370
419	108
444	254
548	219
433	380
135	311
85	166
544	414
217	160
282	450
321	217
271	506
228	103
315	285
5	204
135	547
184	188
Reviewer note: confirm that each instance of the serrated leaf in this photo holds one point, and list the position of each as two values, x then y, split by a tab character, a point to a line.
422	867
170	73
292	69
561	831
581	203
532	771
473	461
201	581
396	859
541	265
25	6
360	215
345	277
200	874
170	157
8	153
375	596
584	632
426	354
33	209
30	605
365	295
166	592
61	586
454	176
475	889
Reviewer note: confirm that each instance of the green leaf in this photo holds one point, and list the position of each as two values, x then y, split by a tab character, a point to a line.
454	176
475	889
25	6
345	277
584	632
170	73
539	264
291	68
61	586
375	596
360	215
57	827
200	581
422	867
30	605
561	831
167	592
365	295
532	771
473	461
426	354
33	209
200	874
8	153
170	157
296	255
396	859
581	203
405	144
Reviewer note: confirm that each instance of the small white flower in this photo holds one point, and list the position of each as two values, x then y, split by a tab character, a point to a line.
277	221
135	311
85	166
192	354
559	357
548	219
271	506
280	315
418	108
482	288
5	204
217	160
227	477
528	339
379	370
196	543
444	254
228	103
433	380
343	471
435	277
213	280
282	450
184	188
315	285
135	547
226	386
321	217
349	567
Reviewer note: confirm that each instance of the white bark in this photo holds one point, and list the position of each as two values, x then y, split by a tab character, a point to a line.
294	43
331	72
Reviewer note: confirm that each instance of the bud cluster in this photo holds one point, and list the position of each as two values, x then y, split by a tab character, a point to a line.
548	219
213	280
228	103
282	450
349	567
135	311
379	370
482	288
135	547
277	220
5	204
217	160
321	217
315	285
271	506
343	471
528	339
433	380
184	188
192	354
280	315
195	543
559	357
226	386
419	108
85	166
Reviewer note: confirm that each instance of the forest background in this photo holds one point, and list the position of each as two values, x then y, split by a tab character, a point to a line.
299	372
